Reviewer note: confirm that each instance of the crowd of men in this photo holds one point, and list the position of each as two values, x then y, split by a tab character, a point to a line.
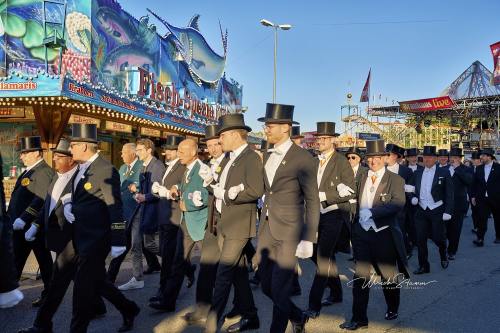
378	205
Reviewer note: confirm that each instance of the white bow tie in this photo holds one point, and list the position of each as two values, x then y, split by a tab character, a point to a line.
274	151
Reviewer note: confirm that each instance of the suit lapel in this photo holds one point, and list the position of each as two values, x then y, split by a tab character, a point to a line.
330	166
491	172
362	185
381	187
235	162
283	163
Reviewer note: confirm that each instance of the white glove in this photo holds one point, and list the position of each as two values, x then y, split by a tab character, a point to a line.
218	191
446	217
197	199
205	173
18	224
163	192
344	190
233	192
304	249
414	201
68	214
155	188
31	233
365	214
117	251
409	188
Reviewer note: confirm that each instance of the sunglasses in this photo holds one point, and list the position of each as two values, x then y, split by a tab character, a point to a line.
352	157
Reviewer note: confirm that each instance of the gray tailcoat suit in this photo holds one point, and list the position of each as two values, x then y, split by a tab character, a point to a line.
292	209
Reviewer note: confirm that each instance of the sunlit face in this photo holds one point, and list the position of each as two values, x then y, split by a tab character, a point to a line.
376	162
78	150
186	153
455	159
443	160
297	141
143	153
29	158
325	143
128	155
476	161
276	132
485	159
226	140
353	159
392	159
412	160
430	161
62	163
214	148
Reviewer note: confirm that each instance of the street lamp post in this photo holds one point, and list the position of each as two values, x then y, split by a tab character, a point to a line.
268	23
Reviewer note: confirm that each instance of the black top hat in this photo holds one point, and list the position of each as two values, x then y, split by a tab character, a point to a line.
30	143
353	151
84	133
210	132
429	151
395	149
411	152
456	152
265	145
443	152
278	113
232	121
296	133
62	147
172	142
375	148
325	128
475	155
488	151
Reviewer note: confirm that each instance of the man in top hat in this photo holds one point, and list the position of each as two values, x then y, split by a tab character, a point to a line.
291	216
476	161
95	210
25	204
335	181
129	184
240	186
486	195
462	178
395	153
193	201
443	158
144	224
376	238
411	159
296	136
58	234
433	197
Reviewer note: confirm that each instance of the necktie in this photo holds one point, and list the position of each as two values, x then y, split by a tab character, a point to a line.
273	150
374	178
128	170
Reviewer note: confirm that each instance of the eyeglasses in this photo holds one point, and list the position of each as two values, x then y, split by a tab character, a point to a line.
352	157
71	145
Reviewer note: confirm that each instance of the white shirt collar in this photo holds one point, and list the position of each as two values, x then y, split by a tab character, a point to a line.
89	161
235	153
489	165
145	164
34	165
217	160
355	169
172	162
131	165
379	174
326	156
283	148
191	165
67	174
433	168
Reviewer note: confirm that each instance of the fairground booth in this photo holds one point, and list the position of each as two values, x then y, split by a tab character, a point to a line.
89	61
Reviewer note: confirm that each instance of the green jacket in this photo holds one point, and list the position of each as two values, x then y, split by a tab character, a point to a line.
129	203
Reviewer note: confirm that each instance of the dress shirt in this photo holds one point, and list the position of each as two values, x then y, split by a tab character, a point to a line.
394	168
452	170
83	167
189	167
413	167
170	165
59	186
425	199
321	169
355	170
487	171
145	164
214	164
275	159
223	176
369	191
34	165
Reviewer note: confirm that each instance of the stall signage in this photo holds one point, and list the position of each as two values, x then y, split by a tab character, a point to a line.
77	119
428	104
368	136
118	127
12	113
150	132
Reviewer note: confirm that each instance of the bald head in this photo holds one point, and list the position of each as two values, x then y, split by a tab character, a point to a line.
188	151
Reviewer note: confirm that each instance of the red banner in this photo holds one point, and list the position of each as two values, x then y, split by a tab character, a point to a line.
495	51
365	94
428	104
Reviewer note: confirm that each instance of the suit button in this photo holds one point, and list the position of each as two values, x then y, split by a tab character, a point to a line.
271	192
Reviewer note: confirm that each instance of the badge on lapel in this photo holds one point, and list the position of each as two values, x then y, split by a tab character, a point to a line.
284	162
25	182
440	180
218	170
87	186
383	197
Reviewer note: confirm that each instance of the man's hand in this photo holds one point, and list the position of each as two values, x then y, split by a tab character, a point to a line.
133	188
205	173
233	192
155	187
140	198
116	251
365	214
197	199
163	192
182	206
446	217
18	224
414	201
174	192
31	233
344	190
218	191
68	214
304	249
473	201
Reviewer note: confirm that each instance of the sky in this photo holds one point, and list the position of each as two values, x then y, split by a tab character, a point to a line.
415	49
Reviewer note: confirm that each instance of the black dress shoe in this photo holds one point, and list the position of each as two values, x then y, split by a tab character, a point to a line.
451	257
37	302
300	327
422	270
445	263
330	300
497	241
232	314
128	319
478	242
35	329
193	318
311	314
151	270
244	324
154	299
160	306
389	315
353	325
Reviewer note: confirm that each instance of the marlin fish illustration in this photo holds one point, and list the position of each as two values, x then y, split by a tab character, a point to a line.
203	63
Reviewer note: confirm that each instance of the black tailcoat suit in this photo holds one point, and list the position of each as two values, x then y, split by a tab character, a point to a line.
235	228
99	224
462	179
26	202
474	209
332	226
487	204
384	250
292	209
430	222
